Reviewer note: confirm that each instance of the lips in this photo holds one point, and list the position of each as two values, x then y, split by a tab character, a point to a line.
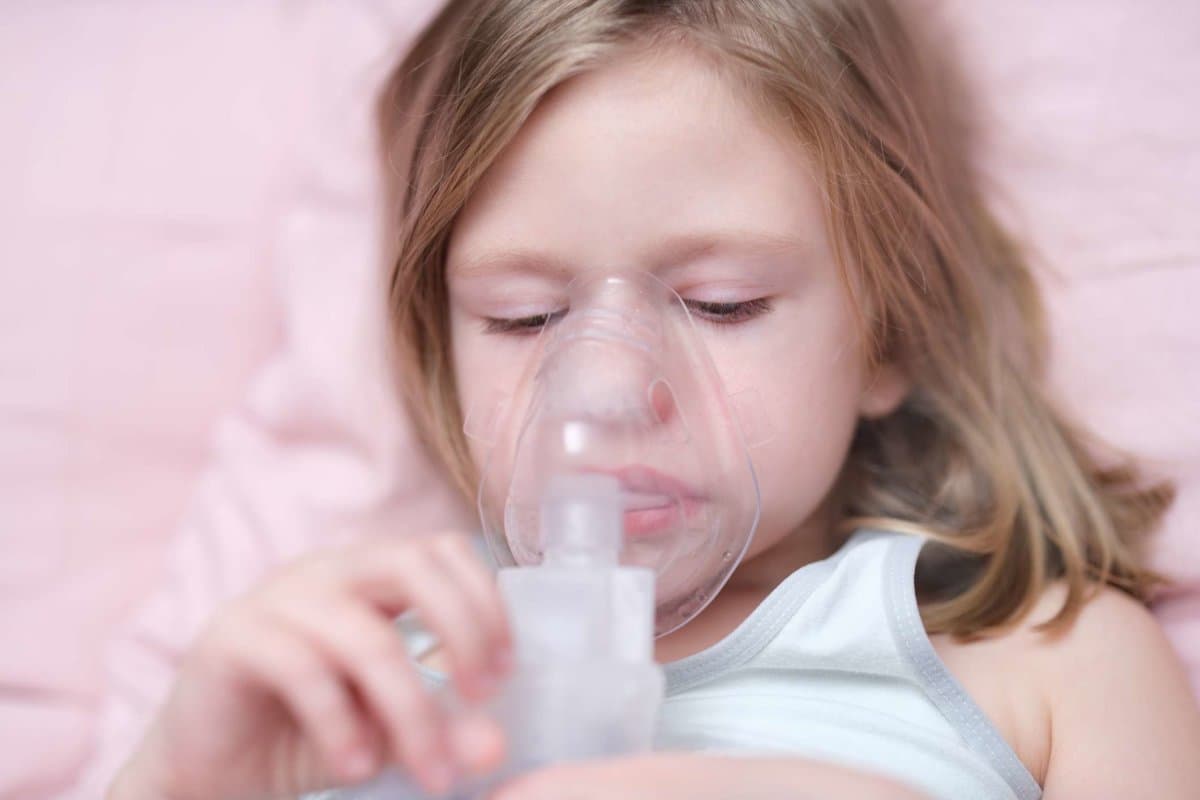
654	502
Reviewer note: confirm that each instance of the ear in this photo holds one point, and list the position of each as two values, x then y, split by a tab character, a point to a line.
886	389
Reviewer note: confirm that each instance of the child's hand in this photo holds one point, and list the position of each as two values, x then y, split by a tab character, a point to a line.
304	682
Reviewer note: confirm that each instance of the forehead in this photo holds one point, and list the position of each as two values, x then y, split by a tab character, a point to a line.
645	149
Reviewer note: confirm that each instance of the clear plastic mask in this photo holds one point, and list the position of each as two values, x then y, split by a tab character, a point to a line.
621	384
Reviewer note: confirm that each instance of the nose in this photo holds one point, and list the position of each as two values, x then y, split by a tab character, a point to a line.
661	399
592	376
605	359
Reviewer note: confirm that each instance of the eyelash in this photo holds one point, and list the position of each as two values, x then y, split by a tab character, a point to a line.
716	313
729	313
522	326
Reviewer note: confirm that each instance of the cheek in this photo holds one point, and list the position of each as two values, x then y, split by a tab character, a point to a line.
480	378
815	415
807	379
488	369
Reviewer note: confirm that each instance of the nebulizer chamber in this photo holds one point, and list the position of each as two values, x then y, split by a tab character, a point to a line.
617	496
585	683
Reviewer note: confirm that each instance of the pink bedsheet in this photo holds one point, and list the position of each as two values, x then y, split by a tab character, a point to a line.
192	379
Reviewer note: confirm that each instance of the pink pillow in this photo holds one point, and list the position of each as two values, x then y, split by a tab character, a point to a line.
191	202
1097	157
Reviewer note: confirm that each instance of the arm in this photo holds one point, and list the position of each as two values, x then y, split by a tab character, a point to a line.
1124	722
703	777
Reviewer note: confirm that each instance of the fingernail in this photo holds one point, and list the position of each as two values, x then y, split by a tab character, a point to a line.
479	744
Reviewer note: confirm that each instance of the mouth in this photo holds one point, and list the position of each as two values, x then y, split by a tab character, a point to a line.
654	502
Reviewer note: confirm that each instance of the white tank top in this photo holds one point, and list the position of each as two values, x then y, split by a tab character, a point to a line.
835	664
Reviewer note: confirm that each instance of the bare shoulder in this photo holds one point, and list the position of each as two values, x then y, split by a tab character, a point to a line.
1107	613
1114	647
1124	720
1112	629
1062	699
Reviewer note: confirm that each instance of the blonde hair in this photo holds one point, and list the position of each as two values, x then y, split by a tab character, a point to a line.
977	458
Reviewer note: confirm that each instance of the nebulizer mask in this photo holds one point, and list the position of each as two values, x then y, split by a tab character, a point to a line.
621	385
617	495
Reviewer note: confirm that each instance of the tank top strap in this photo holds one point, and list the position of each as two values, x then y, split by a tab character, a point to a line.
942	688
828	616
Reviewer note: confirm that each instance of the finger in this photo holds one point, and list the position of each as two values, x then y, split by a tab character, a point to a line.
457	557
285	665
409	578
370	653
479	744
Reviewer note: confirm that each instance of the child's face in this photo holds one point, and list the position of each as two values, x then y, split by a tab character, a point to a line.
654	164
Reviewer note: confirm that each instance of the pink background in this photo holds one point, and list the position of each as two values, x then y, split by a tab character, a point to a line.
192	380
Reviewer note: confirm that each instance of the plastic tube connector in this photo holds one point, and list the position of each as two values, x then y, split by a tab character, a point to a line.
582	520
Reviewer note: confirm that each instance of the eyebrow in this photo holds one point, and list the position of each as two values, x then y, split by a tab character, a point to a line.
673	253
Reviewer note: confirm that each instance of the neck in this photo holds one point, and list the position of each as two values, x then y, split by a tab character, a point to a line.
750	583
813	540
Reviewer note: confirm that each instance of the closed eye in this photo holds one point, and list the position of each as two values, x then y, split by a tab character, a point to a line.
729	313
520	326
717	313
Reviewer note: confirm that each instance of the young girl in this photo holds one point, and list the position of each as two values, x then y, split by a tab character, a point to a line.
800	172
